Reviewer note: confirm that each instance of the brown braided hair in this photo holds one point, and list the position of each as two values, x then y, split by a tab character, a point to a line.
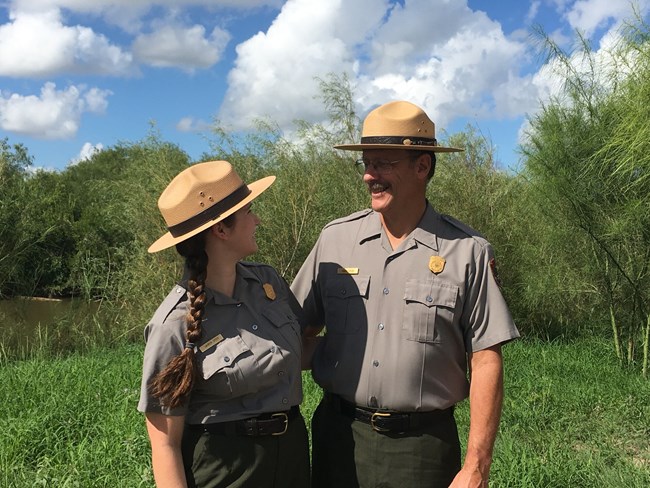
174	383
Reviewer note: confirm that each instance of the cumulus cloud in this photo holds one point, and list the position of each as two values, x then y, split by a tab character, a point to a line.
452	63
38	44
88	150
54	114
589	15
176	46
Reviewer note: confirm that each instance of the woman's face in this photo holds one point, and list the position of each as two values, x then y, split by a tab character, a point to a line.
242	233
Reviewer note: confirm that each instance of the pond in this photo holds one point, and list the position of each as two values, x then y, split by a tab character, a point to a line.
28	323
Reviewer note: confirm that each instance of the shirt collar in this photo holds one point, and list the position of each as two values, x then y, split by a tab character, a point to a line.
242	279
424	233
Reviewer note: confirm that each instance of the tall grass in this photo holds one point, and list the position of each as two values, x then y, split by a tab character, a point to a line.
572	418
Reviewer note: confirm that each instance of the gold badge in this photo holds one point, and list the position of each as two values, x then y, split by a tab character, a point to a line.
436	264
212	342
269	291
348	271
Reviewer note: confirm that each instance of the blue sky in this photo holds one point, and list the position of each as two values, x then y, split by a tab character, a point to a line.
79	75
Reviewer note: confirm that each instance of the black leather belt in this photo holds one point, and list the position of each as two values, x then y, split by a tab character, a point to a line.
264	424
388	420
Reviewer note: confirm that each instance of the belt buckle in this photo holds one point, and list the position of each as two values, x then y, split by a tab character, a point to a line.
286	422
374	426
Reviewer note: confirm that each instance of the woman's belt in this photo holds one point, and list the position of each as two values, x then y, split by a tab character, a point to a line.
388	420
262	425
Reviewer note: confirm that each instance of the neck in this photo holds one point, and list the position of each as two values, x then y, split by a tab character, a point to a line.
221	274
400	224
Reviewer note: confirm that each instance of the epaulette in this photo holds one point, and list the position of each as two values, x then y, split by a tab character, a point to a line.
465	228
175	296
349	218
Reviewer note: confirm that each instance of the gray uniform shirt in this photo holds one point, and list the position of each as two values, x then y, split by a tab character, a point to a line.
400	322
248	355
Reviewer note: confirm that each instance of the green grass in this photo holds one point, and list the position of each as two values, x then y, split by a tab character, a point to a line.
572	418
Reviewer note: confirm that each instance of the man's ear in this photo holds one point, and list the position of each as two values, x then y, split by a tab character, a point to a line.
423	165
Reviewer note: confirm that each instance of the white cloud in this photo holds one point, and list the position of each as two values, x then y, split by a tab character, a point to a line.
275	72
55	114
190	124
589	15
38	44
176	46
455	63
88	150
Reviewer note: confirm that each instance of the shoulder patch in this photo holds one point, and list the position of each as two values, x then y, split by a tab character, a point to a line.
464	228
350	218
175	296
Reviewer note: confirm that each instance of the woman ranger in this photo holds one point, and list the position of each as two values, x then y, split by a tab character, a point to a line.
221	378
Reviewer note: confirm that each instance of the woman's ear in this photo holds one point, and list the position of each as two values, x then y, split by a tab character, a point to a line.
220	230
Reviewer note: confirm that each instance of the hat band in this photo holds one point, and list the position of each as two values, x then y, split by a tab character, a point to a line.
399	141
210	213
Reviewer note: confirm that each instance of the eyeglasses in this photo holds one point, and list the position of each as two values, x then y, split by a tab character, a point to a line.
380	166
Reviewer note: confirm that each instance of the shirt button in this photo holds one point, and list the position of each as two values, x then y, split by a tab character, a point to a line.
429	299
179	290
254	327
226	359
380	326
273	349
343	292
238	305
281	373
284	400
375	363
372	402
385	291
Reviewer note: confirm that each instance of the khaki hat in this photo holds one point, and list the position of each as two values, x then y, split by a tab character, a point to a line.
200	196
398	125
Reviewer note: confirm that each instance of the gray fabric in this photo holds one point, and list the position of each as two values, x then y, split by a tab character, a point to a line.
254	367
397	333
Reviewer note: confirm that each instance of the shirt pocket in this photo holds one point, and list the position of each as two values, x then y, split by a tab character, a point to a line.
223	372
345	308
286	323
428	310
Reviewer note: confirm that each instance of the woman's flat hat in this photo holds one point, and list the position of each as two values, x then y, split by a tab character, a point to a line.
200	196
398	125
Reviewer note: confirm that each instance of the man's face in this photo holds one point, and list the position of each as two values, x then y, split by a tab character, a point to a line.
391	185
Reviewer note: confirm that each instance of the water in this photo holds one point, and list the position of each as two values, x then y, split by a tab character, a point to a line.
26	323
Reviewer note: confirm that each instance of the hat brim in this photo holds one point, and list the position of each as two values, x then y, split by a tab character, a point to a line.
256	188
363	147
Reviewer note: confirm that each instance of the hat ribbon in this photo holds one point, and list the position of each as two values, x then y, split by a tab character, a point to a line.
399	140
210	213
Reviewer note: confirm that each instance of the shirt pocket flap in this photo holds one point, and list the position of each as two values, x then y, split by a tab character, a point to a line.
348	286
224	356
431	294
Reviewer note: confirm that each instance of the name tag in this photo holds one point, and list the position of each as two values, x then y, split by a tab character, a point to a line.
212	342
348	271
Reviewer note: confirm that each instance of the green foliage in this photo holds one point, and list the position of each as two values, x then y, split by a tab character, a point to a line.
75	421
588	162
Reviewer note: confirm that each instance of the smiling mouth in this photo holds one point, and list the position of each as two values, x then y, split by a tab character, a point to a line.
377	187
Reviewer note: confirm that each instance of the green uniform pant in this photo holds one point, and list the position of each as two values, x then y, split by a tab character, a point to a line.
236	461
347	453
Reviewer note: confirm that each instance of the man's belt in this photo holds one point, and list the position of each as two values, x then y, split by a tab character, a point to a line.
389	420
262	425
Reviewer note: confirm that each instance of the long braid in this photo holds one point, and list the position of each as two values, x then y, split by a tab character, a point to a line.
173	384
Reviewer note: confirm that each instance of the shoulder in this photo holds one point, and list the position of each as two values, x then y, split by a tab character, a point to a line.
174	298
264	272
354	218
464	229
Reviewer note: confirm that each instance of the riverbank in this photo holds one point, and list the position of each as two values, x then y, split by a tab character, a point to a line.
572	417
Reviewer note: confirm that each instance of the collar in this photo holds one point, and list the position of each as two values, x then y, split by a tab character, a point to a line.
424	233
242	278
